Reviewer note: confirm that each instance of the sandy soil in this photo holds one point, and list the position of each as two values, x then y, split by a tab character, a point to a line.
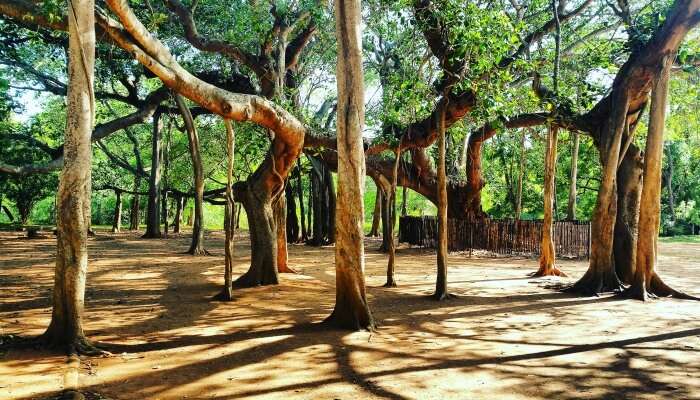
506	336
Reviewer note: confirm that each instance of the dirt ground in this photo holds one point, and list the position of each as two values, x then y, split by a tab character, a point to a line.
506	336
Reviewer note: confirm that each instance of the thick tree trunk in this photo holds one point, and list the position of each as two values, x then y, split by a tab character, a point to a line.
154	184
601	275
134	219
263	236
571	205
117	219
376	214
197	244
629	190
178	214
547	252
280	215
441	292
351	309
646	281
226	293
73	220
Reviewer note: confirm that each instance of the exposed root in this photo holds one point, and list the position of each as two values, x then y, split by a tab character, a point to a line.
198	252
442	296
251	279
553	271
349	321
657	288
226	294
390	283
595	284
286	270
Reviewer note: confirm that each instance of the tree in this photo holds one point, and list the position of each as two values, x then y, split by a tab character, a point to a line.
646	280
351	309
73	198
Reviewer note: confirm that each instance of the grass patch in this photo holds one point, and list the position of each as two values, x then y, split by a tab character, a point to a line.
680	239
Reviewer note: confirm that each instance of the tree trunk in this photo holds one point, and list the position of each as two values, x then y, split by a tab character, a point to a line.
154	184
331	204
386	219
601	275
280	215
629	190
391	264
197	244
135	206
547	252
164	211
571	206
646	281
404	199
669	186
117	220
73	219
351	309
263	235
178	214
24	212
441	281
521	173
376	214
300	191
292	218
226	293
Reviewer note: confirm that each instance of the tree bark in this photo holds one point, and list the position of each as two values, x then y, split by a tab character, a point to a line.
154	183
351	309
263	235
669	186
629	190
571	205
73	219
197	244
117	220
646	281
134	219
601	275
280	215
376	214
226	293
178	214
547	249
302	213
391	264
441	292
292	218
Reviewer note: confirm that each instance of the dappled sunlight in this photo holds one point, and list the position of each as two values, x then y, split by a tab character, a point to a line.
505	335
